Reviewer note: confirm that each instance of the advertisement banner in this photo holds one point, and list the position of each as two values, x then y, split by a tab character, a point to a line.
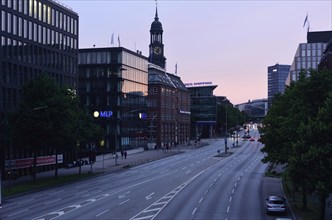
28	162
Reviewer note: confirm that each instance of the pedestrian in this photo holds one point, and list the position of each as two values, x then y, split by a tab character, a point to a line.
122	154
125	154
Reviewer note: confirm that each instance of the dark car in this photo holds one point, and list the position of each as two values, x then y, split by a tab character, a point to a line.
246	136
276	204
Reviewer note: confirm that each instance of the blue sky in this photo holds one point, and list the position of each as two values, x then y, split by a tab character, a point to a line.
230	43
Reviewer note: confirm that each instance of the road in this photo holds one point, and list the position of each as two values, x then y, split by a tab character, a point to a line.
192	185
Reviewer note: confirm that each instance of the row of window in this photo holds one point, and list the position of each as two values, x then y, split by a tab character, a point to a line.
130	74
312	46
19	75
134	61
108	57
21	27
44	13
32	54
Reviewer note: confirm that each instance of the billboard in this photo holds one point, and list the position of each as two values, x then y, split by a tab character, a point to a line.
28	162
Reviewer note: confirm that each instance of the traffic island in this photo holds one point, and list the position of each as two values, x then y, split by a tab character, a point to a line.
224	154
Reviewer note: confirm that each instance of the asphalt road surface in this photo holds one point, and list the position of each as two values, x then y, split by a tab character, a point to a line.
197	184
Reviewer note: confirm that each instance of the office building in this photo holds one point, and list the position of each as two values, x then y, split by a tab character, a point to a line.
255	109
276	78
308	55
204	109
37	36
326	60
113	86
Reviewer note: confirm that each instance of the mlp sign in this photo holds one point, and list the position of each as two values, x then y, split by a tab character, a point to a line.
103	114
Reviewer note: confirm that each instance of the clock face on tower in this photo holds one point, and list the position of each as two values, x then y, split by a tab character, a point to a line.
157	50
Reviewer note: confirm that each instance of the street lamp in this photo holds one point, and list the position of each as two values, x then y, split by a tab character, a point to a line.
11	139
225	100
153	117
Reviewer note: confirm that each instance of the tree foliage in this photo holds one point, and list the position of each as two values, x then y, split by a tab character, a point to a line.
50	119
297	132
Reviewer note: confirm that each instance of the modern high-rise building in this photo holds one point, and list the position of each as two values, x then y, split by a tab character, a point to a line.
37	37
276	78
326	61
308	55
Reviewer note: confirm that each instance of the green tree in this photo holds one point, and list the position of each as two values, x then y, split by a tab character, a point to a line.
295	133
56	128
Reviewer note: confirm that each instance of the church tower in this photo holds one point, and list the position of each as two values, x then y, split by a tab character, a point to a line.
156	46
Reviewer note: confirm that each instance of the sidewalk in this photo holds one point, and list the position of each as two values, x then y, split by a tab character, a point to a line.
107	164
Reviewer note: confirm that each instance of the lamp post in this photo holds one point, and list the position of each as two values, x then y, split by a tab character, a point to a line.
226	127
225	100
11	139
155	116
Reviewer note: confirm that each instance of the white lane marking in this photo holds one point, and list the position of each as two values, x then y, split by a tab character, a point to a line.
89	201
102	213
24	210
52	201
193	213
123	195
160	204
149	196
124	202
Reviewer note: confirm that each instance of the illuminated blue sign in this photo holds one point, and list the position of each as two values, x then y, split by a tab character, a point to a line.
103	114
142	115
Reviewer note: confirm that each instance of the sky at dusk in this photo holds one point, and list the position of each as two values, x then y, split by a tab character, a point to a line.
228	43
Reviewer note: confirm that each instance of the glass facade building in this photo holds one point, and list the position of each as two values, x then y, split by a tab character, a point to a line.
115	80
37	36
276	76
203	107
255	108
308	55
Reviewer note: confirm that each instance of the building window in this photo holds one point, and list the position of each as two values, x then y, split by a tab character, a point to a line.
9	23
3	20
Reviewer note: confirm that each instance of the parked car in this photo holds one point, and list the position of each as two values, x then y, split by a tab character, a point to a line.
246	136
276	204
252	139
